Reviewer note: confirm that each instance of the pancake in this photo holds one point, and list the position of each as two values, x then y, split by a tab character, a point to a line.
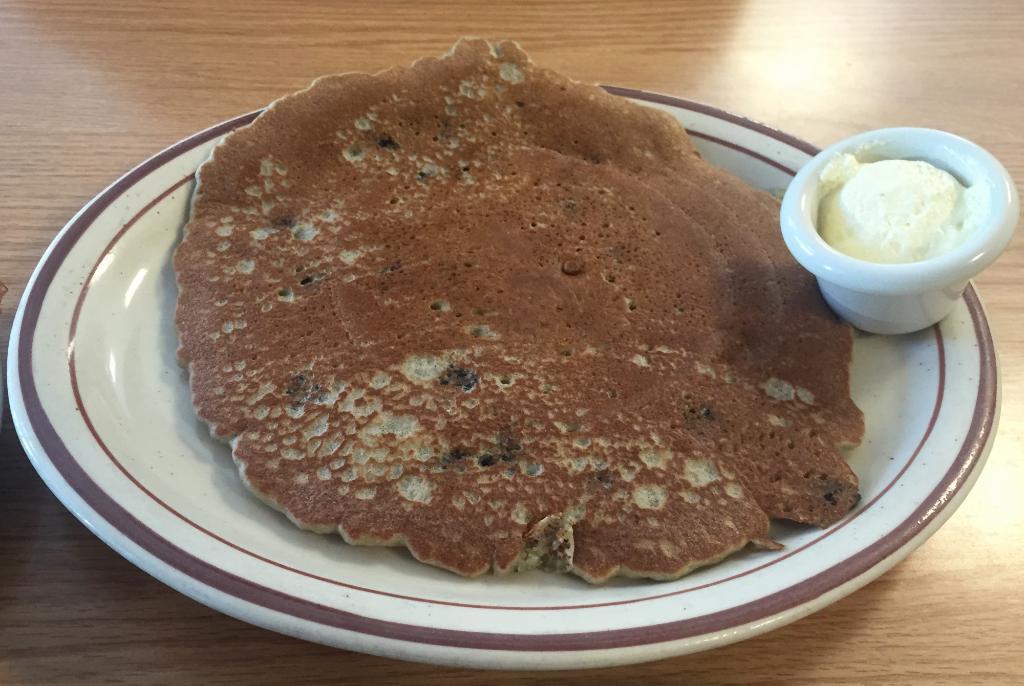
508	321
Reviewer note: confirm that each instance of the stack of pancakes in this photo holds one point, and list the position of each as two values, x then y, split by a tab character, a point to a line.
509	321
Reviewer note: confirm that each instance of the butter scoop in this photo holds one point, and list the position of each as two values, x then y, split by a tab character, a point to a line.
895	210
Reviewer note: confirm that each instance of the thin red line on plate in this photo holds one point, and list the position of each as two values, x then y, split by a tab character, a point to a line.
739	148
715	113
92	272
204	573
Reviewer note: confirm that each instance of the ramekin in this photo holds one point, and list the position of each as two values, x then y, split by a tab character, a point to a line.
903	297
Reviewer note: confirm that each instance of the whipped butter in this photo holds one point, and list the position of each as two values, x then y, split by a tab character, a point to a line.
895	210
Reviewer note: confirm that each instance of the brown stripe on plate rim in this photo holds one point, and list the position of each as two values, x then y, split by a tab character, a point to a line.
715	113
205	573
739	148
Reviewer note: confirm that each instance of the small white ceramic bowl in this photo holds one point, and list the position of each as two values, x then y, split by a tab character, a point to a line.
905	297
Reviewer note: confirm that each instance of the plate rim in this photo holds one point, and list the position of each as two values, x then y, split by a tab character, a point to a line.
28	411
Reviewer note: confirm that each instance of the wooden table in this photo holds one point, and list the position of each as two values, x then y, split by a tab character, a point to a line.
87	89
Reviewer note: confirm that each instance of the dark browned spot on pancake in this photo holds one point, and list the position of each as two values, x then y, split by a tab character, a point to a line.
509	446
701	412
297	384
455	455
301	390
466	379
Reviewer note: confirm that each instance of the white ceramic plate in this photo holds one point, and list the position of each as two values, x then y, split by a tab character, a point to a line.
103	412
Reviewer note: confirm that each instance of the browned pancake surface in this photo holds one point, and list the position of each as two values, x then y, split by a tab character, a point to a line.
508	320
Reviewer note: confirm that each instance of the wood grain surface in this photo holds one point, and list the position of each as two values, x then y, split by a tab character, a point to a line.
87	89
